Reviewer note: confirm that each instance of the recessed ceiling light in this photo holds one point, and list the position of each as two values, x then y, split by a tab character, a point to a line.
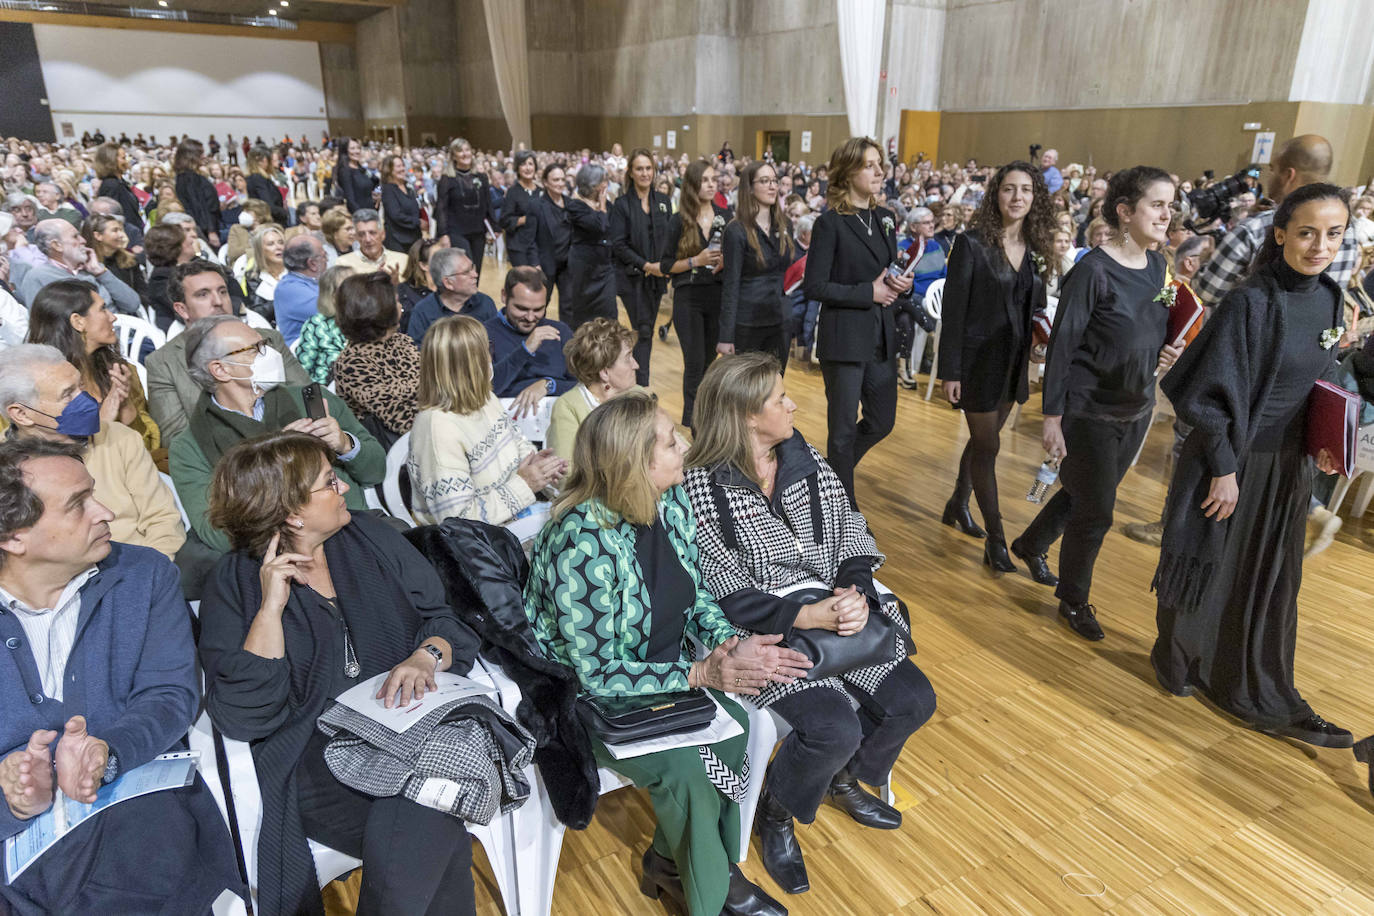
271	12
161	2
285	3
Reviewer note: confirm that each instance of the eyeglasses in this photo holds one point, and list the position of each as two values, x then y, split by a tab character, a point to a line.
766	182
260	347
332	482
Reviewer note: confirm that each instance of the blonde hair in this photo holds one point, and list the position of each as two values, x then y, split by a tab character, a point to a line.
330	281
259	237
733	389
455	366
611	458
847	159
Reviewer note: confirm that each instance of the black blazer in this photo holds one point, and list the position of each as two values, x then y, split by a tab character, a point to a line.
518	203
555	223
637	237
841	265
978	304
462	205
201	201
401	212
264	189
751	295
118	189
354	186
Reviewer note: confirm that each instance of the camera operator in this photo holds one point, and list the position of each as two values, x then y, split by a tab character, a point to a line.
1303	160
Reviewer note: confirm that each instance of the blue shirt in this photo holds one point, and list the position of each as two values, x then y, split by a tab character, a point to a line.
1053	180
429	310
295	303
513	368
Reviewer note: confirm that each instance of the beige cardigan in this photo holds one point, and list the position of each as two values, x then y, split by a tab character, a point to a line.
463	466
127	483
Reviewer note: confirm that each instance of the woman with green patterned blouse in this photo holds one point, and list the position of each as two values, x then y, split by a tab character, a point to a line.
321	341
614	594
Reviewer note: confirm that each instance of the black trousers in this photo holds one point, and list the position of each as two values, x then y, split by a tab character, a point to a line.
641	307
562	280
872	385
415	859
1100	454
828	735
771	339
696	316
476	245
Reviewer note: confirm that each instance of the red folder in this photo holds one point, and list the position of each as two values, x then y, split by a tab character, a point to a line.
792	279
1333	424
1185	316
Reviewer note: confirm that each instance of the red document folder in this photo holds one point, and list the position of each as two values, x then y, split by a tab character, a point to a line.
1333	423
792	279
1185	316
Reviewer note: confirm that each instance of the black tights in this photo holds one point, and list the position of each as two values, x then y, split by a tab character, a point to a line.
978	466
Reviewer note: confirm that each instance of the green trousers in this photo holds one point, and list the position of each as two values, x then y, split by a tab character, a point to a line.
698	828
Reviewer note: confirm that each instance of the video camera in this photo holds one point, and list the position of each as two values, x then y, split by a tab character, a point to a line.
1209	203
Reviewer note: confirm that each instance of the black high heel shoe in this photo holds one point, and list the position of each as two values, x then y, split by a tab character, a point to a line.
1364	753
995	555
957	516
659	875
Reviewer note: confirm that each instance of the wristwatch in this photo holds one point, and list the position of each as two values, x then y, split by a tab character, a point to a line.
438	655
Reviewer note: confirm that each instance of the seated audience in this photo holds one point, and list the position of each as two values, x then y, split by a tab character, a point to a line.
254	213
378	372
266	271
321	341
314	600
467	459
340	236
52	206
165	247
242	379
416	283
615	594
454	277
771	513
601	357
128	676
198	290
41	396
71	316
372	253
294	300
65	256
526	347
105	236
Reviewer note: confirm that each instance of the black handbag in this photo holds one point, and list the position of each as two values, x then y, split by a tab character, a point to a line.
833	654
622	720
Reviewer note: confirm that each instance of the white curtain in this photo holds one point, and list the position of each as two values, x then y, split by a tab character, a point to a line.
861	54
506	32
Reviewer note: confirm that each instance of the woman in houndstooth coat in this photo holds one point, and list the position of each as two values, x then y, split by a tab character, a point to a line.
771	513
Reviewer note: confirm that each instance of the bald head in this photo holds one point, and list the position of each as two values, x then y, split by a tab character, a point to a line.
1303	160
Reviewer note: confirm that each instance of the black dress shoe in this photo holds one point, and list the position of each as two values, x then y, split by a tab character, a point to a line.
1037	564
1082	619
1183	690
862	805
1364	753
957	516
663	332
659	875
1315	730
782	855
748	899
995	555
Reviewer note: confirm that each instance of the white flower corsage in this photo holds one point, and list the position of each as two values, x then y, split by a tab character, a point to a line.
718	221
663	208
1331	337
887	223
1167	295
1038	263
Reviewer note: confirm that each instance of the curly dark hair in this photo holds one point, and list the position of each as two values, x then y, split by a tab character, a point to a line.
1129	187
1037	230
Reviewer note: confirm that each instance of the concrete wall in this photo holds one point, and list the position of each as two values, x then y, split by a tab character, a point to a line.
381	72
342	92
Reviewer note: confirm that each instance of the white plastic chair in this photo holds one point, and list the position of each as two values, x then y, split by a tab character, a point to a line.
534	427
934	301
391	484
167	480
133	331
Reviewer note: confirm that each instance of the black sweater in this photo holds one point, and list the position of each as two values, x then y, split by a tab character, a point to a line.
462	205
264	189
402	214
201	201
118	189
697	276
518	203
354	186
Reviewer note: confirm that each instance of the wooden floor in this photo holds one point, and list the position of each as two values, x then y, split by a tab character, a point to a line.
1055	776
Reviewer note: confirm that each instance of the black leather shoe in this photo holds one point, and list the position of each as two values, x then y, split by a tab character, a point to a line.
1082	619
782	855
1180	690
1037	564
957	516
1315	730
748	899
995	555
1364	753
663	332
860	804
659	876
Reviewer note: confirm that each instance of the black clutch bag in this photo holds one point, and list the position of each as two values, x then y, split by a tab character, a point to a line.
832	654
623	720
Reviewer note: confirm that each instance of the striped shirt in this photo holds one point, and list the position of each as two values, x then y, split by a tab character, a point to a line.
51	631
1236	252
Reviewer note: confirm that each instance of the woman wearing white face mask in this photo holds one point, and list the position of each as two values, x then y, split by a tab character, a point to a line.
246	396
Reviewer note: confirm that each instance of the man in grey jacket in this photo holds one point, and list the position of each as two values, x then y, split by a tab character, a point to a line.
66	256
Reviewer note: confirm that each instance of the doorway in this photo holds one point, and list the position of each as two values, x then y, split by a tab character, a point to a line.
780	142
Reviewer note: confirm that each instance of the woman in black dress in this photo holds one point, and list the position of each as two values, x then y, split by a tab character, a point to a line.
463	208
1107	347
111	162
692	258
400	209
639	224
1231	562
852	245
554	235
520	213
262	187
195	191
591	275
758	248
351	182
991	290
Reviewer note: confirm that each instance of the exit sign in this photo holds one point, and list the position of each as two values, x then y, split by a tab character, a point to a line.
1252	125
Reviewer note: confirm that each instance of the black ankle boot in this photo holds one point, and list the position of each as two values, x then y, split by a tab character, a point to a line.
860	804
1037	564
995	555
957	516
748	899
782	856
659	875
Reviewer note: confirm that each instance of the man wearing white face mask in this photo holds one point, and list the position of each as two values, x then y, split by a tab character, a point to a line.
245	395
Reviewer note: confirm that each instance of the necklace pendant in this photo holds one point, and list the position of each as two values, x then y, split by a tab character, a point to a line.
352	669
870	229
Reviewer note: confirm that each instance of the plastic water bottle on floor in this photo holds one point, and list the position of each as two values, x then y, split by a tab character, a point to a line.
1044	480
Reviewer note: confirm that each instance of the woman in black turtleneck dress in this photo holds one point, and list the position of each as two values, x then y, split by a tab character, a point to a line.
462	209
1231	562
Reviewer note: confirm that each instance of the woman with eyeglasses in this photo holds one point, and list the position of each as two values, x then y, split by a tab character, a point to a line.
758	248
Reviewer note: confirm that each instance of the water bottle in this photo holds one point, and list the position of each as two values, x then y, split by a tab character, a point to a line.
1044	479
714	244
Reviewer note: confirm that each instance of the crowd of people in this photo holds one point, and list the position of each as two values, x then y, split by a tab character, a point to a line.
313	309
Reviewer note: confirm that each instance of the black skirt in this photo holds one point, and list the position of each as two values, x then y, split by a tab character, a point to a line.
1237	647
